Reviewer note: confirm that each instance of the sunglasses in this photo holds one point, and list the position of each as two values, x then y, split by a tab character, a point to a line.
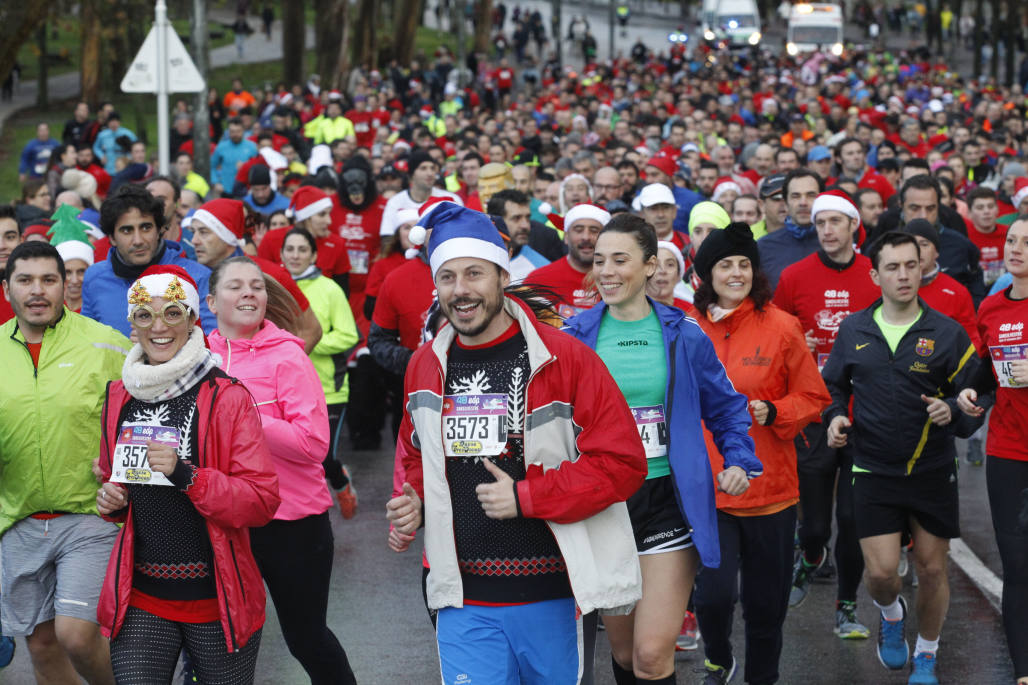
172	313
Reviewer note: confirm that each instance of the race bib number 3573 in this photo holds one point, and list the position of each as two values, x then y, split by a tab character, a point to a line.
474	425
130	462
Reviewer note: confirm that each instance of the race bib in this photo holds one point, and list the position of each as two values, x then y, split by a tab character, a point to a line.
1002	356
358	261
474	425
130	463
652	430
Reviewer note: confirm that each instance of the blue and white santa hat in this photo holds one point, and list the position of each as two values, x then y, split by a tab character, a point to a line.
459	232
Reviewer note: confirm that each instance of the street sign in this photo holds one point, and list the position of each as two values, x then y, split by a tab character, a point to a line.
183	76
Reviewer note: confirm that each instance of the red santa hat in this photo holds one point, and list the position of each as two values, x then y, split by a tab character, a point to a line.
1020	192
723	185
308	201
586	210
168	281
225	217
838	201
663	163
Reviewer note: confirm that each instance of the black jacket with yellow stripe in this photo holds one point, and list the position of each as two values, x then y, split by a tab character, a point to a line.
892	434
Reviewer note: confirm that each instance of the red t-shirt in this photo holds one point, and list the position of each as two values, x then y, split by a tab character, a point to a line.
948	296
34	349
332	258
821	296
6	313
362	127
991	247
568	283
404	300
380	270
1003	324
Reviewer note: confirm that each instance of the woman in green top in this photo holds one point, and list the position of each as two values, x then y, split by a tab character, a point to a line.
633	343
339	335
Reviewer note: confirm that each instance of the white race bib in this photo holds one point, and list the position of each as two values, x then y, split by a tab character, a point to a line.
358	261
1002	355
652	430
474	425
130	463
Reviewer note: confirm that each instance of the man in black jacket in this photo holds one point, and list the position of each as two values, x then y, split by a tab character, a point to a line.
902	365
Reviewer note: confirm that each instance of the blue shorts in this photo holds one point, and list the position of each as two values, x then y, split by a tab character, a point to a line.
527	644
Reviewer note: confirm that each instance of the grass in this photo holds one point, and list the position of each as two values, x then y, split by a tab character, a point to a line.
21	127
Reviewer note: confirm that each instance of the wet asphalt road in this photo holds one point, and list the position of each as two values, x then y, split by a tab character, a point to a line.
377	612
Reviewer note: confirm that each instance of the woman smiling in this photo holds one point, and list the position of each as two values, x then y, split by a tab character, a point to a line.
185	468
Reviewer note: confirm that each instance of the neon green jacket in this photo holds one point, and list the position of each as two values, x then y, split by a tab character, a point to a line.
321	129
50	416
338	334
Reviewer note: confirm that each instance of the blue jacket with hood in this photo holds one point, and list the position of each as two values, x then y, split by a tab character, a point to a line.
698	388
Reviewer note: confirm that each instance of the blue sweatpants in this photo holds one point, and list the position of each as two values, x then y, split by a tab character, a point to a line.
527	644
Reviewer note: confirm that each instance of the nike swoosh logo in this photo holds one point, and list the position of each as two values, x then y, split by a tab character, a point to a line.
860	347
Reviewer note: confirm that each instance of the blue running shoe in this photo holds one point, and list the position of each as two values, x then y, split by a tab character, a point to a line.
6	650
922	670
893	650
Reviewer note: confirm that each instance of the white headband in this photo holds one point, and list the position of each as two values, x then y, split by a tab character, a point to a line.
215	224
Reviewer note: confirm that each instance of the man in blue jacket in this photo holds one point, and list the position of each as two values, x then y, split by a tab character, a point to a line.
798	238
229	155
904	459
133	220
35	156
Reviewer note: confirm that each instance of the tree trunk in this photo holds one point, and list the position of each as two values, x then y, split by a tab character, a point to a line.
18	21
294	39
42	87
201	115
977	42
89	70
483	25
1012	26
330	18
404	29
364	35
996	33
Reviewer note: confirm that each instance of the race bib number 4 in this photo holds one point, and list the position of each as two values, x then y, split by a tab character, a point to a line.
474	425
130	463
1002	356
652	430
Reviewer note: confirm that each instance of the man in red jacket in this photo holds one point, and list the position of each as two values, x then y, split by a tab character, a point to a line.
821	290
493	464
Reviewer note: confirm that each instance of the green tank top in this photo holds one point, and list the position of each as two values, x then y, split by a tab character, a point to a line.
634	354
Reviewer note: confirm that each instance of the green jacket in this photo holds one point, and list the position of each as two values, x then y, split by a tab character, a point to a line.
50	416
321	129
338	335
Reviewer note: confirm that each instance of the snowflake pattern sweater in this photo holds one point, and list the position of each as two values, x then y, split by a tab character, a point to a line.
512	561
173	556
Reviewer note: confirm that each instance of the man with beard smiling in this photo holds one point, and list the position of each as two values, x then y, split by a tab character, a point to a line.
133	220
55	548
566	277
491	469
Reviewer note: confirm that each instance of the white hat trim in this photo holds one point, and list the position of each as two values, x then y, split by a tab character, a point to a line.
1019	197
157	284
75	249
673	249
215	224
302	214
468	247
833	203
586	211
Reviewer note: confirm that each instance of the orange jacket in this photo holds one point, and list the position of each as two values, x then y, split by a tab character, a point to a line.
766	358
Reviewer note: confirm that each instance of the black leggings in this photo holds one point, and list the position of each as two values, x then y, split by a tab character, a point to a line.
818	491
333	468
756	554
1007	482
295	558
147	648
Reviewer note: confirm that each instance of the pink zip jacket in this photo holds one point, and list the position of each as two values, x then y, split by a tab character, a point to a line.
288	395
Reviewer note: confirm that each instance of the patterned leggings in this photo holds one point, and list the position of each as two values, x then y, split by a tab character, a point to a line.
147	648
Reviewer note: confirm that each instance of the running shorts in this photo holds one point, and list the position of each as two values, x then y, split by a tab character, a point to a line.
657	522
885	504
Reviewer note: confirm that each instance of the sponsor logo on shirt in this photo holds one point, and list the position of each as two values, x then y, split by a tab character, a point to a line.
1011	331
837	298
632	343
925	347
919	367
756	359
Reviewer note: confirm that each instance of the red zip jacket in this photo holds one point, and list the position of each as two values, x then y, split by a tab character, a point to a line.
235	488
766	357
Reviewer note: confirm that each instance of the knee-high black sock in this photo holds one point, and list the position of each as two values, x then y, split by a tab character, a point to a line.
622	676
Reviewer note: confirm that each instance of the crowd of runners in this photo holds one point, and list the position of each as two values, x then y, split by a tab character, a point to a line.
647	336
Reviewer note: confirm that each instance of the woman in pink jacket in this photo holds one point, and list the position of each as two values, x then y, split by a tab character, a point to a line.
294	551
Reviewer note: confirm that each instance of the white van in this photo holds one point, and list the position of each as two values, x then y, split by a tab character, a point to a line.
736	24
814	27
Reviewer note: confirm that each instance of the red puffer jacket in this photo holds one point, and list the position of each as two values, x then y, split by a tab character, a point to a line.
235	488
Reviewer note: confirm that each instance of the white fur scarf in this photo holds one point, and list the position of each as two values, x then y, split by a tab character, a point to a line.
161	382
